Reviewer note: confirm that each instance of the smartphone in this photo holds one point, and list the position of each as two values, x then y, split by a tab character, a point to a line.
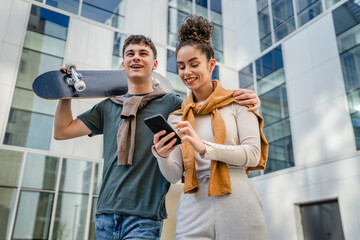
158	123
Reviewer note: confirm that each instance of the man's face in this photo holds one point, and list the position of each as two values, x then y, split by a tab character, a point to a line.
139	62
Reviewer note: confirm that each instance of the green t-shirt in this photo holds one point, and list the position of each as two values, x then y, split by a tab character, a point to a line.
138	189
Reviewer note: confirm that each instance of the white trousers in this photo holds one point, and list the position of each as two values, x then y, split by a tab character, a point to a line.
228	217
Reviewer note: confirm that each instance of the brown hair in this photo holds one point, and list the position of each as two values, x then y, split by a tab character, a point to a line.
196	31
139	39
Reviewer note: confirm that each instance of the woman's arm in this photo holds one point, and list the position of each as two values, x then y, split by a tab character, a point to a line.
169	157
247	153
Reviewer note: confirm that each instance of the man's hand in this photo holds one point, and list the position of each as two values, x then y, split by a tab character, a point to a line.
247	97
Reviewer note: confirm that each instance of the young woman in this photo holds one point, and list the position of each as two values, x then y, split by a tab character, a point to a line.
221	141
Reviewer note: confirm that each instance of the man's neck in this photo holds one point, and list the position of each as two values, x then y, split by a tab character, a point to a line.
139	87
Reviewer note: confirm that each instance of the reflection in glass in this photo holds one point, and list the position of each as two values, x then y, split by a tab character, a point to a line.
175	19
183	5
284	29
92	235
201	8
117	56
75	176
217	38
33	215
40	172
216	11
274	108
109	12
280	155
97	178
29	129
70	217
329	3
10	162
274	105
282	10
67	5
48	23
348	39
7	199
32	64
347	25
310	12
271	81
264	22
246	77
350	62
215	73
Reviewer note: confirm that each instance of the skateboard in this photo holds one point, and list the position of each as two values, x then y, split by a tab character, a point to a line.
88	84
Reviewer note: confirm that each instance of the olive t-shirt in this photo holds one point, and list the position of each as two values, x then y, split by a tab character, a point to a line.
138	189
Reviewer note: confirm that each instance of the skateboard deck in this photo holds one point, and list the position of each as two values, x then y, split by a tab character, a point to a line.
55	85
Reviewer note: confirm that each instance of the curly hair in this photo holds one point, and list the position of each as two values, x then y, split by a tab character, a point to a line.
196	31
139	39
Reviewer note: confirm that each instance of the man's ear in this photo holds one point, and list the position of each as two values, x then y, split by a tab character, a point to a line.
123	65
155	64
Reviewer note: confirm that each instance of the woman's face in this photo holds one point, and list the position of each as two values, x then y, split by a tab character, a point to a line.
194	69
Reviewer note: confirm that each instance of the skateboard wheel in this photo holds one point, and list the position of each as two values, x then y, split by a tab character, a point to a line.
80	86
70	65
155	83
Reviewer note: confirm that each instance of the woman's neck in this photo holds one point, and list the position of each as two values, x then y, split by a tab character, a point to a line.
202	93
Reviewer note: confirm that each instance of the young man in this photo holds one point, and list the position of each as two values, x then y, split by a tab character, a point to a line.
131	203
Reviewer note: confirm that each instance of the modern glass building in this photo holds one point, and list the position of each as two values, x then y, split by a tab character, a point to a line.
302	58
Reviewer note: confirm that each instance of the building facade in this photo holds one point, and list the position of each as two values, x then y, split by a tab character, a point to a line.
302	57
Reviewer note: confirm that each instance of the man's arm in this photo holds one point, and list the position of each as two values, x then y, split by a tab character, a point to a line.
65	127
247	97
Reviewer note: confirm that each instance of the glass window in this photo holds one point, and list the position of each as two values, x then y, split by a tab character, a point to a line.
117	56
175	19
201	8
345	16
30	120
216	11
97	178
282	10
7	200
48	23
184	5
322	220
283	19
310	12
109	12
40	172
349	39
280	155
347	26
264	28
75	176
28	129
92	235
70	216
217	38
261	4
274	108
33	215
67	5
10	162
172	72
246	79
329	3
215	73
264	22
274	105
